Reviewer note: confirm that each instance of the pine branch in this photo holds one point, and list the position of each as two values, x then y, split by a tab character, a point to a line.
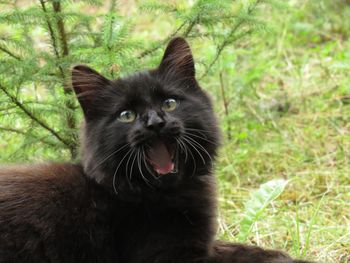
71	123
7	129
190	26
34	118
75	36
9	53
111	22
8	108
25	133
51	32
162	42
60	25
169	37
229	39
53	38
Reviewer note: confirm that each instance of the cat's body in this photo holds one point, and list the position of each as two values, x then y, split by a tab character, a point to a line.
66	217
144	191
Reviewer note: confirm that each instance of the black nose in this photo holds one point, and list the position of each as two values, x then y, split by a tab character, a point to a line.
154	121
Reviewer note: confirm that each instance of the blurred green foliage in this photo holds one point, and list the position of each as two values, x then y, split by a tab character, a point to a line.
42	40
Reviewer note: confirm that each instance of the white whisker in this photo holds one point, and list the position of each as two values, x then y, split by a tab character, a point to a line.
127	165
132	165
200	137
195	148
194	160
140	169
116	170
109	156
200	147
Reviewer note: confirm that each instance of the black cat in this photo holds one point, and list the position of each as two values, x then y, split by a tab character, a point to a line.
144	190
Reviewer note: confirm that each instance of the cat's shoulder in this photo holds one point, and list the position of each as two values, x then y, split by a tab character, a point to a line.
40	171
40	180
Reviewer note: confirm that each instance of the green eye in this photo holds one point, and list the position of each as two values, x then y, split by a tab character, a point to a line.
169	105
127	116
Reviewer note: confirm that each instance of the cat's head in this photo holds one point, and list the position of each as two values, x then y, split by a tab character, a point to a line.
152	130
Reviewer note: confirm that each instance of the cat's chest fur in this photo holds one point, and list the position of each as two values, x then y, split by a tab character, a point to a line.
160	222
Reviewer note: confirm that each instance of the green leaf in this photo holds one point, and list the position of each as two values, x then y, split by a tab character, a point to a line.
256	205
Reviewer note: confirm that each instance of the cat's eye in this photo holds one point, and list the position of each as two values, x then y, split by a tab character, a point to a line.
169	104
127	116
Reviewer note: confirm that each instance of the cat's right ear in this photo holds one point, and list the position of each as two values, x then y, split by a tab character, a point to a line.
86	82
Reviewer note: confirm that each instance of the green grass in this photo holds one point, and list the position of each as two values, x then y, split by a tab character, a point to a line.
290	118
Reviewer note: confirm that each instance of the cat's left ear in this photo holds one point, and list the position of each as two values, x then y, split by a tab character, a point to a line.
177	59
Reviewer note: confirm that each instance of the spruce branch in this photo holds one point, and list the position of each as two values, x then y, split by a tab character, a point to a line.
35	118
190	26
53	37
70	119
7	129
79	37
8	108
25	134
111	23
51	32
8	52
230	39
162	42
60	25
65	51
187	31
227	41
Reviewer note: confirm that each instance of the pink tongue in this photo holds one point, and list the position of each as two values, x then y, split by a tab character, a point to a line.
160	158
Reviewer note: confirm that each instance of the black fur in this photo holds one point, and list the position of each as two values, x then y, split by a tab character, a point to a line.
113	206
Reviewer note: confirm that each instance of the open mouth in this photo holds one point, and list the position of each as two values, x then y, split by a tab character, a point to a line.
162	156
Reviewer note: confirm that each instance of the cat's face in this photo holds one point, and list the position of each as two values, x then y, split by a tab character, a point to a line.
152	130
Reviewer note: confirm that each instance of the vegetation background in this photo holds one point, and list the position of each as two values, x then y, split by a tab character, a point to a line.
278	74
